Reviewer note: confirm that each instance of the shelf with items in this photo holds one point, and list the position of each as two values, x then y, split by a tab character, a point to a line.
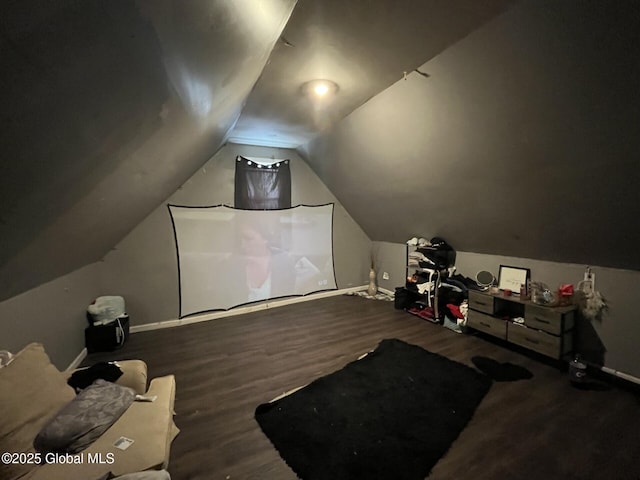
427	265
424	275
426	293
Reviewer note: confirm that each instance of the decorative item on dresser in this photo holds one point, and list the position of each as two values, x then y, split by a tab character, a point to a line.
546	330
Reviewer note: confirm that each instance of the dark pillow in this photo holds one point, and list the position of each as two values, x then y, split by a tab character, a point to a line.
85	418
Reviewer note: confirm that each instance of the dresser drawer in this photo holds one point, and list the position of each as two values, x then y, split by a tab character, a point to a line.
541	342
487	324
481	302
543	318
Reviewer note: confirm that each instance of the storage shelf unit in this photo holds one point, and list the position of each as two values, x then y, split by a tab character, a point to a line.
431	276
546	330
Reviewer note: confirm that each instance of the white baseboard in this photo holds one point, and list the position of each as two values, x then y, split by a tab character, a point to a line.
242	310
387	291
612	372
78	360
625	376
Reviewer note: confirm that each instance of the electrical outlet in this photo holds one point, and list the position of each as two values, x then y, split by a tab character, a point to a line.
385	275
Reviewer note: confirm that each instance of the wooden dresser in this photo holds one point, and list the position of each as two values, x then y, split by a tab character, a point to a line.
546	330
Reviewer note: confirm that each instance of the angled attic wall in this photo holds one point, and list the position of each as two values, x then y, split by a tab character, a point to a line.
108	107
522	142
53	314
143	267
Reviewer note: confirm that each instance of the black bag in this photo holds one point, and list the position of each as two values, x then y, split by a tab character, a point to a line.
403	298
105	338
440	253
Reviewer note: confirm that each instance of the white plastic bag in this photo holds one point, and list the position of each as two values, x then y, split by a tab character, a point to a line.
106	309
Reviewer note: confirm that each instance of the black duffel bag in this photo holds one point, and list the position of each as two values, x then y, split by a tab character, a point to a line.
403	298
440	253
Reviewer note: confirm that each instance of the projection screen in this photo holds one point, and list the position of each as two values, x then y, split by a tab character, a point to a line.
229	257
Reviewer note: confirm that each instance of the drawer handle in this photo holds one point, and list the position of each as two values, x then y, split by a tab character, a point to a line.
481	303
485	324
542	320
531	340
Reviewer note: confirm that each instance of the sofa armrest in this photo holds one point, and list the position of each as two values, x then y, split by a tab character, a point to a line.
134	375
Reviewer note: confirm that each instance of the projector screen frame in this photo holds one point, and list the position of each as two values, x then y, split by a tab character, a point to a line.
183	314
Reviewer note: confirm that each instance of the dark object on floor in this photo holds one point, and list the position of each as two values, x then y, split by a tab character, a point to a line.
404	298
81	379
392	414
105	338
592	385
501	372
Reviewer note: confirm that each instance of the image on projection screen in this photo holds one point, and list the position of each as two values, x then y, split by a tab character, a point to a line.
229	257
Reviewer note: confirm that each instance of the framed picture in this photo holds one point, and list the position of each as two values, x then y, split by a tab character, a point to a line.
511	278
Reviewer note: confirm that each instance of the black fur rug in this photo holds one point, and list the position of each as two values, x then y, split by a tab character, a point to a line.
391	415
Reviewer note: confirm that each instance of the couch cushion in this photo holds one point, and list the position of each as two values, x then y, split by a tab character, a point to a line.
150	425
32	391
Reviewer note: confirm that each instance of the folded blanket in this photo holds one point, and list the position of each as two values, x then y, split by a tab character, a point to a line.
85	418
82	378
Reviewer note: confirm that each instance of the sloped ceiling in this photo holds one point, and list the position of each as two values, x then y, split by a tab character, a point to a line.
362	45
521	139
109	106
522	142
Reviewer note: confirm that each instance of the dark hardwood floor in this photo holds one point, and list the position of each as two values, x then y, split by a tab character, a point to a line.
541	428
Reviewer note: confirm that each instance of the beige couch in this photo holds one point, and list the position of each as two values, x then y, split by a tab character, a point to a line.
33	390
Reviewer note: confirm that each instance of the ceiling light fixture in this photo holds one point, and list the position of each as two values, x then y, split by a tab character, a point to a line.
320	88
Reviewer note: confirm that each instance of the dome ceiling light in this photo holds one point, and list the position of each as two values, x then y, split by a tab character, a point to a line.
320	89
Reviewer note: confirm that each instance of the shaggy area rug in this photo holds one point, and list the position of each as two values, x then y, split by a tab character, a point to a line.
392	414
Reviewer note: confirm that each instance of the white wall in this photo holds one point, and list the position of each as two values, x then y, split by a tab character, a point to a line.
390	258
143	267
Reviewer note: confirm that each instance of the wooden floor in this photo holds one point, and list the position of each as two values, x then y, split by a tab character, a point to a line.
535	429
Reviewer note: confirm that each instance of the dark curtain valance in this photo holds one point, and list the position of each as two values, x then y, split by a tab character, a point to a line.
262	187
